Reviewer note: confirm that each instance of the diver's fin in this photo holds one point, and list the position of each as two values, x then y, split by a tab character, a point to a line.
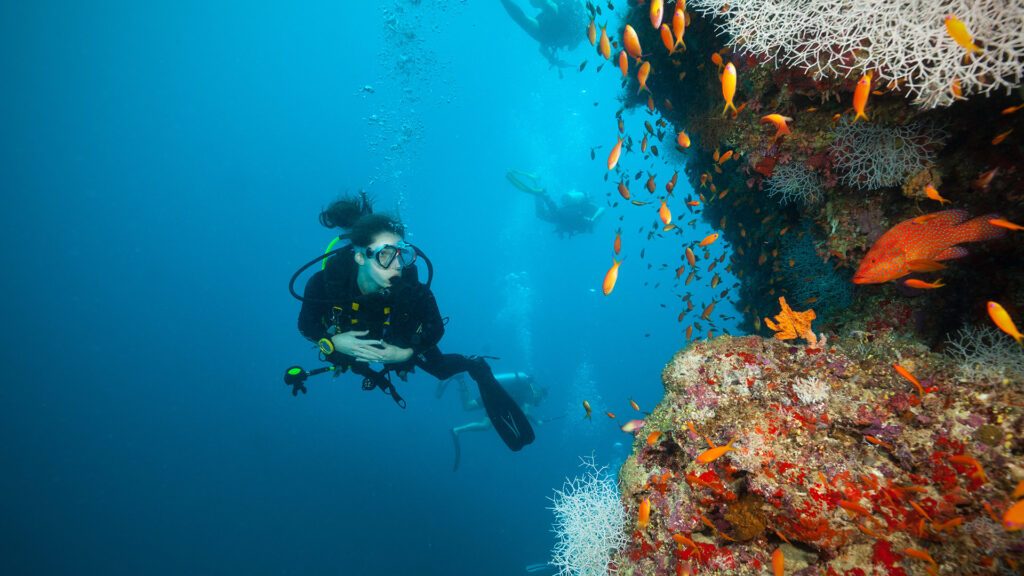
458	450
506	416
513	176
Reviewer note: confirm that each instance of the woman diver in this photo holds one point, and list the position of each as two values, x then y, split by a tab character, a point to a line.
367	305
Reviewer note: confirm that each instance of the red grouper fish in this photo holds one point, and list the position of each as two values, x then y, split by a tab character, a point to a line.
915	245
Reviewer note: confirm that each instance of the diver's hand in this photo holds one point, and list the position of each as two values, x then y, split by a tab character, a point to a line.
391	354
352	344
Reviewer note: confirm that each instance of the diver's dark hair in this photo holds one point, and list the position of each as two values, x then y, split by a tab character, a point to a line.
355	214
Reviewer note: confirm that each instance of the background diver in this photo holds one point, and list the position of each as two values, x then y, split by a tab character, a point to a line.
556	25
367	305
574	214
521	387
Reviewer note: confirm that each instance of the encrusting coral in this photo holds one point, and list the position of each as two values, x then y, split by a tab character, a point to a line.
872	478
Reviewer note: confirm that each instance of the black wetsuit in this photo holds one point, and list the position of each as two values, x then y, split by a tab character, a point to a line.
406	315
569	219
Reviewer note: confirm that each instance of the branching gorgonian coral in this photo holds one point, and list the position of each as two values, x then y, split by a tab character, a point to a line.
590	523
902	41
984	353
794	182
874	156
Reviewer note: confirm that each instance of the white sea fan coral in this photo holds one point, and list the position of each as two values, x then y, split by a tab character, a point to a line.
794	182
984	353
902	41
590	523
874	156
811	390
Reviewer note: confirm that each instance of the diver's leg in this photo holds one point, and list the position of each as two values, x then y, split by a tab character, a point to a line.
525	22
505	414
545	208
478	426
468	401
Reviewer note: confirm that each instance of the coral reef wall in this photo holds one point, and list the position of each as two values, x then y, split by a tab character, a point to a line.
844	183
891	444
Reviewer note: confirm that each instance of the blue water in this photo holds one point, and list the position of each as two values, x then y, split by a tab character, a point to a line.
163	165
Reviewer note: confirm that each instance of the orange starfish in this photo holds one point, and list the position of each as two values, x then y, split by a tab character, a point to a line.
790	324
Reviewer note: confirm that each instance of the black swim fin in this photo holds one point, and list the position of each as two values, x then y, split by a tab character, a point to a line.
506	416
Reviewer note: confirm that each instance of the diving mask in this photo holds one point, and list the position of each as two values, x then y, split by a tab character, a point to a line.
387	253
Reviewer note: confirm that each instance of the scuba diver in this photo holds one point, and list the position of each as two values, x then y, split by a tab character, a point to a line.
557	25
575	214
520	386
366	305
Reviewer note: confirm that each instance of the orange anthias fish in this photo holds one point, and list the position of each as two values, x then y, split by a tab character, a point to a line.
709	239
644	516
933	194
586	406
611	277
671	184
711	454
1013	519
605	45
664	213
729	87
860	96
893	255
623	190
910	377
957	89
623	63
922	285
632	426
613	157
1006	224
666	37
706	315
920	555
632	42
657	13
778	562
641	77
679	26
958	31
592	33
1002	319
779	121
618	242
683	140
1018	492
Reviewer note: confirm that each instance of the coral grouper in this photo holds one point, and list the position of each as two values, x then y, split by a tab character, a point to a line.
917	245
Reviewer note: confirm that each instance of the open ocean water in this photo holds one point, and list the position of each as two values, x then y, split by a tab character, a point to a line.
163	167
